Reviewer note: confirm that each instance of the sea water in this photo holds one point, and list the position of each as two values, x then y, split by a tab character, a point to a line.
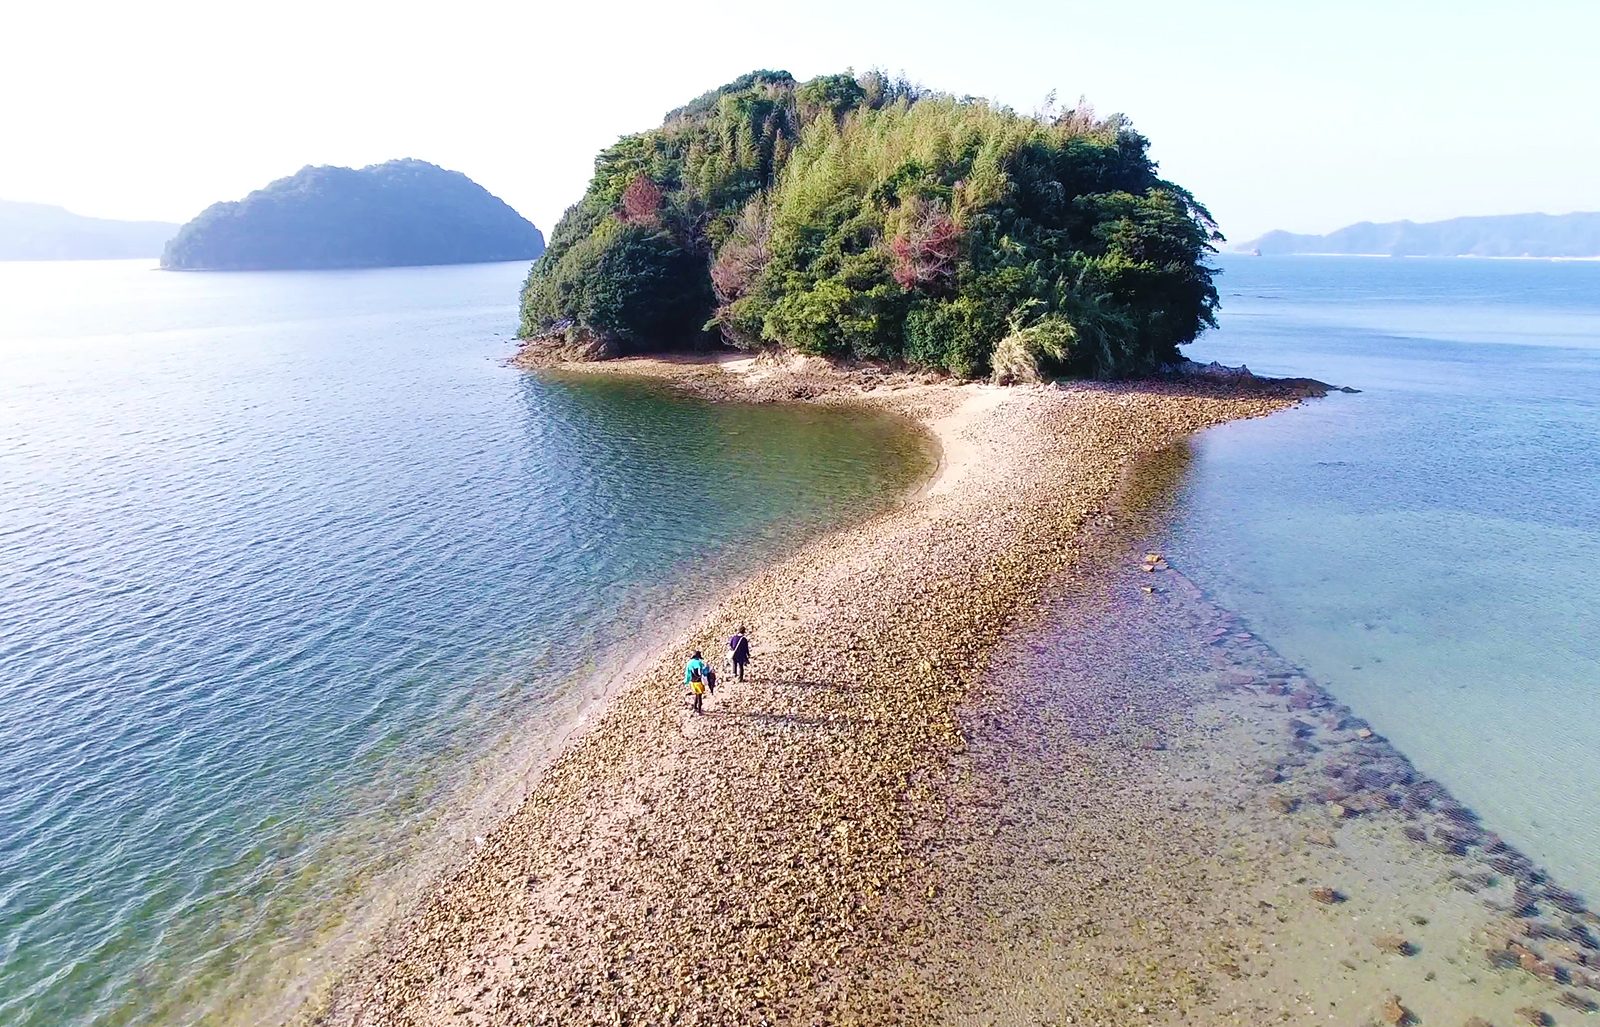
1426	548
285	559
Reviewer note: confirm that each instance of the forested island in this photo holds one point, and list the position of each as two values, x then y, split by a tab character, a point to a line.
400	213
1504	235
859	217
38	231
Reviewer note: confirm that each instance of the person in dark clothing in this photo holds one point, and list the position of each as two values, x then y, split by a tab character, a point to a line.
739	650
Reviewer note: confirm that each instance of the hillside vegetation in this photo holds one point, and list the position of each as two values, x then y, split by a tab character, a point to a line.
399	213
864	218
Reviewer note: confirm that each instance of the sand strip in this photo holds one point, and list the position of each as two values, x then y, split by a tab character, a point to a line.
760	864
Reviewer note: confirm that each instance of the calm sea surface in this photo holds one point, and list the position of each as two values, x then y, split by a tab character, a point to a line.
286	560
291	562
1427	549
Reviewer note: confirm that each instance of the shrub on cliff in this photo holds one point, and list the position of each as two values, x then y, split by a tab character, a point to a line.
630	284
863	218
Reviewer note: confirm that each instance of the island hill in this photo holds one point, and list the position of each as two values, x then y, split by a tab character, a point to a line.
862	218
1503	235
400	213
37	231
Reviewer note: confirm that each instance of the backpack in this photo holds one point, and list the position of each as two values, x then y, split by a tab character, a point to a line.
694	674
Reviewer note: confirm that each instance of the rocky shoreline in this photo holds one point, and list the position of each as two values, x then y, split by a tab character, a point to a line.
787	858
1159	819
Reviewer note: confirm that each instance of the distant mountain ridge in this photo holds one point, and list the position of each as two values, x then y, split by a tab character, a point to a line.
1501	235
39	231
399	213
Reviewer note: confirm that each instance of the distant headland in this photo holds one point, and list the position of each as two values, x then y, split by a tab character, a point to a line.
1502	235
396	214
38	231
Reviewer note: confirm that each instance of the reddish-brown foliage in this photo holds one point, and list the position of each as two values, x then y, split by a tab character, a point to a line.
741	259
641	200
737	265
925	257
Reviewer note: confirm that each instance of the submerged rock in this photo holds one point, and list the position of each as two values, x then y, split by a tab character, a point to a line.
1562	899
1394	1013
1500	959
1572	1000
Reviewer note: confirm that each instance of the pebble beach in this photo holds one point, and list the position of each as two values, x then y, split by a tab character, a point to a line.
899	819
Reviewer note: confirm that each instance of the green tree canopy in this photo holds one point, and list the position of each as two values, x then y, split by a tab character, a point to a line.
866	218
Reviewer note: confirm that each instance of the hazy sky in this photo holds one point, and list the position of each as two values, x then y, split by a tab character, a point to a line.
1276	114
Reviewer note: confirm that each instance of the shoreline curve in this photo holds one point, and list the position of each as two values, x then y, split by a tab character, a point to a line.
792	795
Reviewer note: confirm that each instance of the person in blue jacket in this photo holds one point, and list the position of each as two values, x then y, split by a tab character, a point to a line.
695	673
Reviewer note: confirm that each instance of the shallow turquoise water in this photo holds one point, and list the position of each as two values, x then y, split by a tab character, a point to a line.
282	556
1427	548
